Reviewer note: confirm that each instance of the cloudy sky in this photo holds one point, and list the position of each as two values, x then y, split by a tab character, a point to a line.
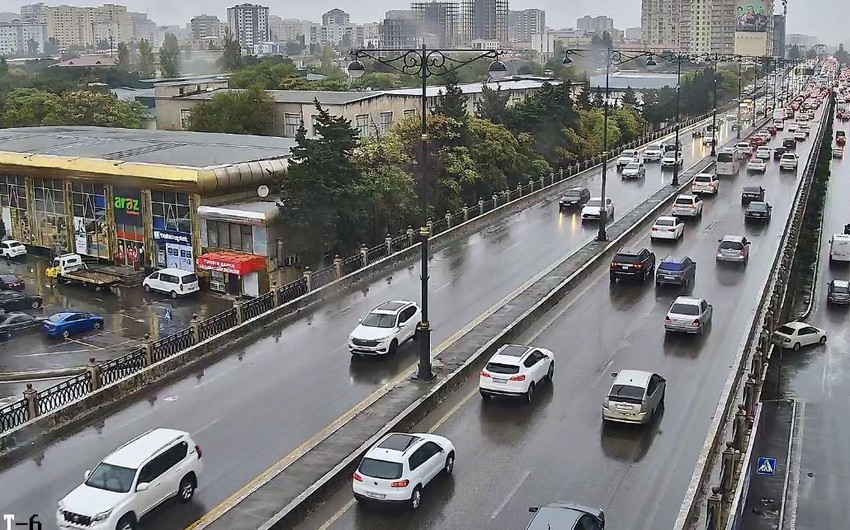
813	17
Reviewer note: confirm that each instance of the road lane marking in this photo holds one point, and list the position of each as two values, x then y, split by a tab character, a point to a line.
335	517
84	344
795	458
511	494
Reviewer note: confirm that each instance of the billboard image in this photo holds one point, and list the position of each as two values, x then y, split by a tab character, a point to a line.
752	16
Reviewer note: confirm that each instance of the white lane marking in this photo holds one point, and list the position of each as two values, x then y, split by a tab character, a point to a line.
42	354
337	515
207	426
511	494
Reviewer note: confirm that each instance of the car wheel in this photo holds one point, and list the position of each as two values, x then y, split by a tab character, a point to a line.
393	347
529	394
485	396
450	463
416	497
551	373
613	278
147	288
796	346
36	304
174	295
822	340
98	324
128	522
187	489
66	334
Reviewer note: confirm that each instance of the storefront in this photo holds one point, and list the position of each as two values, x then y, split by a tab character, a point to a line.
91	231
129	215
13	207
233	273
173	250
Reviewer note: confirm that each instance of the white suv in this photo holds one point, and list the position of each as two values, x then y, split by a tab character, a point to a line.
687	206
705	183
385	328
515	371
12	249
653	153
139	476
397	468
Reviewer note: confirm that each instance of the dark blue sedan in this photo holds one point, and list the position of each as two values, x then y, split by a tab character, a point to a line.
67	324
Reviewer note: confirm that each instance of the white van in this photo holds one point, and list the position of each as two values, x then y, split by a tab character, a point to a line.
839	248
175	282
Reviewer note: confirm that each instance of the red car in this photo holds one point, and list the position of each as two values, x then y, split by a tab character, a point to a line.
757	141
10	282
771	129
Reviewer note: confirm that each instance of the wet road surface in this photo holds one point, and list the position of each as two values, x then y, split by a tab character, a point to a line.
512	456
253	408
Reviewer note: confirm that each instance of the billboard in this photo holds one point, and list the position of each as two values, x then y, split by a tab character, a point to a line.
752	16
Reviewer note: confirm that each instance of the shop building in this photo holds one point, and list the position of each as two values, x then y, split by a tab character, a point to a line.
135	197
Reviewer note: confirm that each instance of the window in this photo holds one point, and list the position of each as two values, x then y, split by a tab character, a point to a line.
407	314
386	121
362	125
185	114
90	228
50	219
231	236
409	112
13	195
291	122
171	211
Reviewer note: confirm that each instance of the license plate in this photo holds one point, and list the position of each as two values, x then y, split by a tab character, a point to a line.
624	408
625	267
669	277
372	495
499	380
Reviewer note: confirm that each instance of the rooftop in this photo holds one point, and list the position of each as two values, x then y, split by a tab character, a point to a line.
86	61
636	80
325	97
135	452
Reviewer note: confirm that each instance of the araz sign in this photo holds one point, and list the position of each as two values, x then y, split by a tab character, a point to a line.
127	204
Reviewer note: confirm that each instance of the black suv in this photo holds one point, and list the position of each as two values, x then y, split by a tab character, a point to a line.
752	193
789	144
778	152
672	146
638	264
676	271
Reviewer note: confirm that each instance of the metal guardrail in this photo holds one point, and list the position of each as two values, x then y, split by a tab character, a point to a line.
98	374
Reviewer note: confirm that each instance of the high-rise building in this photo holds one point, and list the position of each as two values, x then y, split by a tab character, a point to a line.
34	13
205	26
723	17
87	26
336	16
596	25
285	29
779	36
438	22
529	22
25	38
483	20
400	29
142	28
660	22
634	34
249	24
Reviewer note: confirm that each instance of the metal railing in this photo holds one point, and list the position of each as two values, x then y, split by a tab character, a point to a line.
257	306
172	345
121	367
11	416
218	323
63	393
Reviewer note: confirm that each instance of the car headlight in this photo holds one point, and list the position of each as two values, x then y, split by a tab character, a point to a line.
101	516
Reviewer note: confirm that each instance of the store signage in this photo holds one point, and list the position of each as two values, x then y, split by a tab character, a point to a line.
219	266
230	264
127	204
167	236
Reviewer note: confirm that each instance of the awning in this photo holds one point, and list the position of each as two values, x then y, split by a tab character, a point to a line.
231	262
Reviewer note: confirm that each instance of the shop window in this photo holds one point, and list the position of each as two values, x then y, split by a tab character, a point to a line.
230	236
13	207
51	228
170	211
90	228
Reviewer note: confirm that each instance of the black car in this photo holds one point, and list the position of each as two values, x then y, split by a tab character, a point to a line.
752	193
12	323
10	282
789	144
778	152
574	198
12	300
758	211
672	146
564	516
676	271
637	264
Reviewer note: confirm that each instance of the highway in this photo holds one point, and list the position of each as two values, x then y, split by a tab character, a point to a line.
266	400
512	456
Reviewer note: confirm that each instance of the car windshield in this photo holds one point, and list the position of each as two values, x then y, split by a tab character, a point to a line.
375	468
594	202
499	368
725	157
379	320
665	222
786	330
628	393
189	278
633	165
731	245
111	478
758	206
670	266
573	193
683	201
684	309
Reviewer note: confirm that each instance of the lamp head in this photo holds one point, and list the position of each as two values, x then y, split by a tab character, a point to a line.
356	69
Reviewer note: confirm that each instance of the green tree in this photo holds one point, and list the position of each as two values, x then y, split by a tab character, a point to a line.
32	47
598	98
794	53
629	97
234	111
546	115
267	74
584	96
169	56
493	105
51	47
147	70
99	108
451	102
123	63
378	81
606	40
294	47
28	107
231	57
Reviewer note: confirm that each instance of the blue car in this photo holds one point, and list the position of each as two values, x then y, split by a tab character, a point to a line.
67	324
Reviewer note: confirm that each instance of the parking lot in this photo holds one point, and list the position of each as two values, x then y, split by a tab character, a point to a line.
128	313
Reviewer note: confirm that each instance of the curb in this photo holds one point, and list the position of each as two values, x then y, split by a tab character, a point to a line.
35	375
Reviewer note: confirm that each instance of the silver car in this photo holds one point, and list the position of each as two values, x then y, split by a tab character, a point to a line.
838	292
688	315
634	397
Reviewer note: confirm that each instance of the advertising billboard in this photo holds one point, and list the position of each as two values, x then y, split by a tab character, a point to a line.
752	16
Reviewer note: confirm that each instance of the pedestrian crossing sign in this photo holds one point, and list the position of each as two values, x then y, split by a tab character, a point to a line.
766	465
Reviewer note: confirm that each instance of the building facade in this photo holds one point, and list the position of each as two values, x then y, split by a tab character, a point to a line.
249	24
205	26
34	13
779	36
285	29
596	25
87	26
438	22
22	38
483	19
660	22
400	30
142	27
530	22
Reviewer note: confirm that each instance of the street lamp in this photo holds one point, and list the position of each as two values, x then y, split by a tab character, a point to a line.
613	57
424	63
678	58
714	117
738	122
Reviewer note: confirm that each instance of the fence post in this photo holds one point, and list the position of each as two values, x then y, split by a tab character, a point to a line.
364	254
31	395
727	471
430	226
195	323
448	220
409	236
389	241
530	185
739	428
147	346
94	371
712	519
480	206
465	213
561	174
750	396
495	201
757	366
240	312
337	267
519	190
308	275
543	180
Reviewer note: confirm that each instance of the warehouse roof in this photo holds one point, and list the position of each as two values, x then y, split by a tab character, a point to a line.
325	97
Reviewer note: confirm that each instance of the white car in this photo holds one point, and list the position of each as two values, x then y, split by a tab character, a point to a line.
806	129
708	139
705	183
667	227
139	476
792	126
515	371
173	282
788	161
634	397
800	135
764	153
634	170
672	158
385	328
687	206
756	165
688	315
653	153
745	150
798	334
779	124
627	157
12	249
400	465
592	210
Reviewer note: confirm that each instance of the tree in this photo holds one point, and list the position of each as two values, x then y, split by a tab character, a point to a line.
231	57
147	70
629	97
51	47
451	102
169	56
234	111
345	43
584	101
598	98
28	107
841	56
794	53
267	74
493	105
123	63
606	40
32	47
99	108
812	54
294	47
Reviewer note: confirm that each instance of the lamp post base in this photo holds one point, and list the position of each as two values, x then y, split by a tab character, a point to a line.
423	335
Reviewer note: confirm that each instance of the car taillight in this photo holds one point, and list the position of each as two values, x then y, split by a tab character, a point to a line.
520	377
400	483
485	373
356	476
639	266
198	450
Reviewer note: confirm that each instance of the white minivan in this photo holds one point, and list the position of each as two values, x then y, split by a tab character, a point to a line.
839	248
174	282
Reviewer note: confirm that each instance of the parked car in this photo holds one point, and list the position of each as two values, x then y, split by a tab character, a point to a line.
667	227
735	249
385	328
688	315
705	183
763	153
797	334
627	157
136	478
173	282
400	465
14	323
837	292
10	282
758	211
634	397
672	158
653	153
634	170
676	271
71	323
12	249
632	264
574	197
687	206
516	371
788	162
592	210
756	165
14	300
566	516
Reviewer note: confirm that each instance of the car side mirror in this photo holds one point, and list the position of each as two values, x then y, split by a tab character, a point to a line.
360	320
87	474
532	509
613	374
143	486
719	240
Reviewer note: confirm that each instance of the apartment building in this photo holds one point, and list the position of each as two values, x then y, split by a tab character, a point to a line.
205	26
779	36
337	17
596	25
285	29
142	28
526	23
249	24
34	13
484	20
661	24
86	26
400	29
438	22
16	38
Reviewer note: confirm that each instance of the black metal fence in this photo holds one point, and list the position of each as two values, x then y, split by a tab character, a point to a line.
218	323
65	392
121	367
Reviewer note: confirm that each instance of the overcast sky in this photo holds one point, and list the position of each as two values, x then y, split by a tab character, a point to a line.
813	17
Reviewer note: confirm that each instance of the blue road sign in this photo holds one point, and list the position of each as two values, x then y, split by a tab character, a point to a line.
766	465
